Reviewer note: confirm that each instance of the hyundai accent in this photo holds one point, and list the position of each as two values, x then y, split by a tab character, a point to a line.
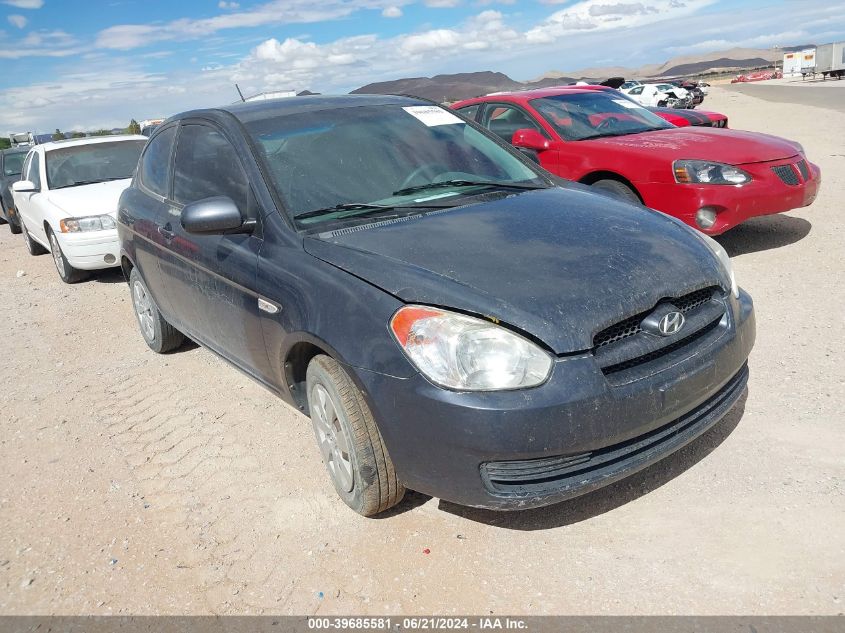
452	318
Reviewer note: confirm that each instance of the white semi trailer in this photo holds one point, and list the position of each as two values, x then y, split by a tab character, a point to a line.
830	60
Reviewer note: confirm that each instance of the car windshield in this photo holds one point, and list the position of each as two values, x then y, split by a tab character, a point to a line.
12	163
595	114
331	164
94	162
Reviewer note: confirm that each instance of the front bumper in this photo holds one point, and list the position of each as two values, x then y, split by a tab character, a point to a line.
764	195
91	250
457	446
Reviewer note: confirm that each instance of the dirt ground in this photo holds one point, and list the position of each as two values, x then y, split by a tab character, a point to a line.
137	483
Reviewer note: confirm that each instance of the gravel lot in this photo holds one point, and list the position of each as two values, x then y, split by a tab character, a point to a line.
136	483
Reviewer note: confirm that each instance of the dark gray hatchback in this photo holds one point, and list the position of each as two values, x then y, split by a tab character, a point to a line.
452	318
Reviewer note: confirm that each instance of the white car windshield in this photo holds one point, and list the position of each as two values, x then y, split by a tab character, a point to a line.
95	162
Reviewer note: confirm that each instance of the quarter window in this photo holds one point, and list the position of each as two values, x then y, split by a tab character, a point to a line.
156	161
470	111
207	166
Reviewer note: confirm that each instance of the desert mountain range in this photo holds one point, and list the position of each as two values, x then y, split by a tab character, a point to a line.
467	85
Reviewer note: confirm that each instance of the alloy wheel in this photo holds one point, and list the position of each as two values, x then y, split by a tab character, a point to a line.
331	438
144	310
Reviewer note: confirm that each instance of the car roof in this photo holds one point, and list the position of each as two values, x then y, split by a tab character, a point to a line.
539	93
286	106
89	140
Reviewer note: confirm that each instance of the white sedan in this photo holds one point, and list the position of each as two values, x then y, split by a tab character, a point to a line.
663	95
67	200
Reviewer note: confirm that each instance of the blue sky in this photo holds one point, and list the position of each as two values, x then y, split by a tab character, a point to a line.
78	64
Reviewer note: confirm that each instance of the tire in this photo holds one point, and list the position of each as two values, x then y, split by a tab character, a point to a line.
159	335
349	440
618	190
33	247
67	273
14	228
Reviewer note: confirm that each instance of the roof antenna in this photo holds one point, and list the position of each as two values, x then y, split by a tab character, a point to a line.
240	93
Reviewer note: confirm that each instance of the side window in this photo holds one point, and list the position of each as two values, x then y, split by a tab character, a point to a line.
503	121
155	163
470	112
637	91
207	165
34	173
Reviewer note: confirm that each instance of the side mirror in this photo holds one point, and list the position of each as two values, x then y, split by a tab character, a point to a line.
529	138
216	215
24	186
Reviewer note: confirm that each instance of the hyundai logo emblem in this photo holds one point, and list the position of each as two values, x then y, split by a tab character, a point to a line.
671	323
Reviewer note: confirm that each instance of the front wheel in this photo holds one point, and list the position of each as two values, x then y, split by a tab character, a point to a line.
14	228
618	190
68	273
159	335
32	247
349	440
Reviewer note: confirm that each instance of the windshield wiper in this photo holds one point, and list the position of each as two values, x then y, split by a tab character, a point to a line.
611	134
466	183
79	183
365	207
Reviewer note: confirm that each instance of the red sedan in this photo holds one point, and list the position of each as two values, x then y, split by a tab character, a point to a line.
710	178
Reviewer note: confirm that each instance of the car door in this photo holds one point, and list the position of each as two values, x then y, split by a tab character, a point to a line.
31	204
144	208
210	279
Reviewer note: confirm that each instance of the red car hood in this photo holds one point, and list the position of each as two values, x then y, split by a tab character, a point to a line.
733	147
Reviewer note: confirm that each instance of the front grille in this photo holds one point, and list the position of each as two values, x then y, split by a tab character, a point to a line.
566	474
802	167
631	326
786	174
647	358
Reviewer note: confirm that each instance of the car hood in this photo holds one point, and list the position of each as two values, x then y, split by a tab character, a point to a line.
733	147
97	199
557	264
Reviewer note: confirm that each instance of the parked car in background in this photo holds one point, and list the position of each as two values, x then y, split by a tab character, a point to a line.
11	162
67	199
630	84
712	179
660	95
692	89
704	87
451	320
685	118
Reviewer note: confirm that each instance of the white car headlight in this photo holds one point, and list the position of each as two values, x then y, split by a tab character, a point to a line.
724	259
469	354
88	223
703	172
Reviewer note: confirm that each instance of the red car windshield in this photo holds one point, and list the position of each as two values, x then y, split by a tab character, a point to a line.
585	115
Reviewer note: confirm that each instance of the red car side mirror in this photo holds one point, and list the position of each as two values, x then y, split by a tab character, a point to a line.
529	138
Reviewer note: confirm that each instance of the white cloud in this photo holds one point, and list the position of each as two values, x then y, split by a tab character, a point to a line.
276	12
392	12
442	4
17	20
228	5
596	15
25	4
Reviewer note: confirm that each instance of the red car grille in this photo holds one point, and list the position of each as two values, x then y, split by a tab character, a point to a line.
802	167
786	174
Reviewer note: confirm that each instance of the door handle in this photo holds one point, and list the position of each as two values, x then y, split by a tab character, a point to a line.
165	232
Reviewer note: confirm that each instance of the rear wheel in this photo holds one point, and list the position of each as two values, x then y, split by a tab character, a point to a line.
68	273
159	335
14	228
32	246
618	190
349	440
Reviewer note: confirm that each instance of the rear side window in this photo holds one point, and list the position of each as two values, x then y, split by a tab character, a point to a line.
206	166
470	111
156	161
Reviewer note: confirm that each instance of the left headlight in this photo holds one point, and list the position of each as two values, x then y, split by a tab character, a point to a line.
469	354
724	259
89	223
708	173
